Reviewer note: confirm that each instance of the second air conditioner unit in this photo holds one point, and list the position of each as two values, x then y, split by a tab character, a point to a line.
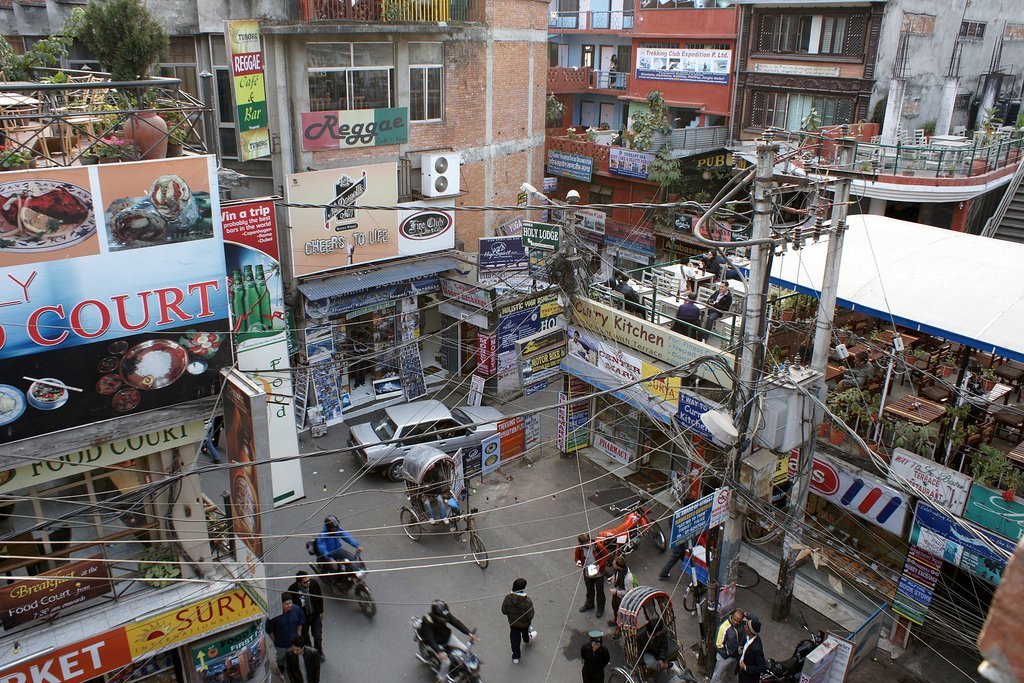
439	174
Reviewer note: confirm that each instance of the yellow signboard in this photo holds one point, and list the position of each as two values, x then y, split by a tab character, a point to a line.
190	622
665	388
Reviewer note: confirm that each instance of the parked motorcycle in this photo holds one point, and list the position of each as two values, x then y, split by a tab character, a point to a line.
349	579
465	665
789	671
625	537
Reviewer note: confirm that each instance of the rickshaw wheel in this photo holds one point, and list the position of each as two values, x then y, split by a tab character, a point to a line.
479	551
411	524
621	675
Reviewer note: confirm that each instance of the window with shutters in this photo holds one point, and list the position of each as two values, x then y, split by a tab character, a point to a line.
790	110
1013	33
972	30
919	24
818	34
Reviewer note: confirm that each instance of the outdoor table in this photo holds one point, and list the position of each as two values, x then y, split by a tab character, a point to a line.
1017	454
915	409
998	391
908	338
833	372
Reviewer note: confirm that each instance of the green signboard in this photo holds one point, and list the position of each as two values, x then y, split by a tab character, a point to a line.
987	508
544	236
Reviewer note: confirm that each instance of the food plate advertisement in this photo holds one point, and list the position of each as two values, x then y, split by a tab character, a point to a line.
113	293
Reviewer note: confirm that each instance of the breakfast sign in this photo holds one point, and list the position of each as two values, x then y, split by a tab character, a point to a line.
112	292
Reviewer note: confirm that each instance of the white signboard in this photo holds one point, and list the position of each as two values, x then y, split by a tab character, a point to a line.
612	449
720	507
930	480
797	70
686	66
476	390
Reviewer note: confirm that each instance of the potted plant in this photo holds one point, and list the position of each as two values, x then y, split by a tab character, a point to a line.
12	159
988	379
555	109
129	56
842	405
787	307
110	150
948	366
160	566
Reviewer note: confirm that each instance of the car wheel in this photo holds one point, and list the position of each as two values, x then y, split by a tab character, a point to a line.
394	471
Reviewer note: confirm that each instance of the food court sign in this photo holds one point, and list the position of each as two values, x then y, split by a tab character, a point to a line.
112	292
53	591
357	128
246	58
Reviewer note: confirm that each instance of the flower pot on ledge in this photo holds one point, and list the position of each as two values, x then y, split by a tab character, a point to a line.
149	133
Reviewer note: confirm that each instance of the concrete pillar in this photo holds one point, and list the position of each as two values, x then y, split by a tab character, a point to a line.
945	118
876	207
988	97
893	111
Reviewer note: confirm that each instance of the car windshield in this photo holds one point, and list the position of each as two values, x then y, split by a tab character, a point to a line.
461	417
383	426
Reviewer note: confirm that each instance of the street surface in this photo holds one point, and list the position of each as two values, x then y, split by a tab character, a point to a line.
529	518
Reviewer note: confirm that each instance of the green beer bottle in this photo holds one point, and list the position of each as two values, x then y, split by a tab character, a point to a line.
237	302
251	302
266	315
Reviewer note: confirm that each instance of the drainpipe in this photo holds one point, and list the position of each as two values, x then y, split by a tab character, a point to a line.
945	118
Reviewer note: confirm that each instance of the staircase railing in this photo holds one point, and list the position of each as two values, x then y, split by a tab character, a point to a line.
992	225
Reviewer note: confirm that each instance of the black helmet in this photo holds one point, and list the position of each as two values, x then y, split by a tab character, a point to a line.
439	608
331	523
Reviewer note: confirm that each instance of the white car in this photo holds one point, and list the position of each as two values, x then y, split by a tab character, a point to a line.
382	443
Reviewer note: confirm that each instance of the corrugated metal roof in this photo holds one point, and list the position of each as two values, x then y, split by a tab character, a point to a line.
362	280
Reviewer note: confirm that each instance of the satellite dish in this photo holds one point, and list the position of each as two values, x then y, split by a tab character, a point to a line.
720	425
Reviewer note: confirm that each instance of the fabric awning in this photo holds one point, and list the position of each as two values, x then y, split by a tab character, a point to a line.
960	287
635	395
363	279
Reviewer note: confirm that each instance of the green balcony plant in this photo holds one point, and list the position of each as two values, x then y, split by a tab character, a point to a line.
159	566
12	159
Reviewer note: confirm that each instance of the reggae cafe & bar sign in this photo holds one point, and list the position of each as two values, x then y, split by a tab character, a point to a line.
243	41
358	128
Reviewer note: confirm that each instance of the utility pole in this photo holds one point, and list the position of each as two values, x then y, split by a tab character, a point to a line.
750	361
793	538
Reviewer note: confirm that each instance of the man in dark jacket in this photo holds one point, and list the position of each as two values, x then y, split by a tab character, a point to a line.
657	650
286	627
437	635
301	663
310	597
631	303
729	640
595	658
688	312
592	556
752	661
719	304
619	586
518	607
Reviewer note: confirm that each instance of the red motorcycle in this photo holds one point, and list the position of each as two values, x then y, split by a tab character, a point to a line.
625	537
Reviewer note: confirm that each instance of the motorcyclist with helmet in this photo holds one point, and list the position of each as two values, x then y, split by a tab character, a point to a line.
436	632
329	548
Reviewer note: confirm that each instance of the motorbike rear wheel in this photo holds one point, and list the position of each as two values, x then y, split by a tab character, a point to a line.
411	524
657	536
366	603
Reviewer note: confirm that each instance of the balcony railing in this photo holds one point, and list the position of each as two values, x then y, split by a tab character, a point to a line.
948	157
617	20
58	124
392	11
573	79
692	139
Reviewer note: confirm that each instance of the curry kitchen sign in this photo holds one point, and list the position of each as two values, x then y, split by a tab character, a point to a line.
938	484
105	455
356	128
650	339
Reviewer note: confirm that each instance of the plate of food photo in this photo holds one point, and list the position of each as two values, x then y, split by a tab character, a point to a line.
44	215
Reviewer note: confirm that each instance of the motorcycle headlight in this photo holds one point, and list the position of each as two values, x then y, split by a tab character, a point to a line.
360	574
472	664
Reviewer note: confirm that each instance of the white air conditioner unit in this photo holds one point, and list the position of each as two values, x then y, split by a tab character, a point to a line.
439	174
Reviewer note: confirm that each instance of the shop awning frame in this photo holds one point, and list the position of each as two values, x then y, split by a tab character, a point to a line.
959	287
635	395
374	276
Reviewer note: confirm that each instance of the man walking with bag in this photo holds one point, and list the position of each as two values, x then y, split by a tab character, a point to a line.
729	642
518	607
